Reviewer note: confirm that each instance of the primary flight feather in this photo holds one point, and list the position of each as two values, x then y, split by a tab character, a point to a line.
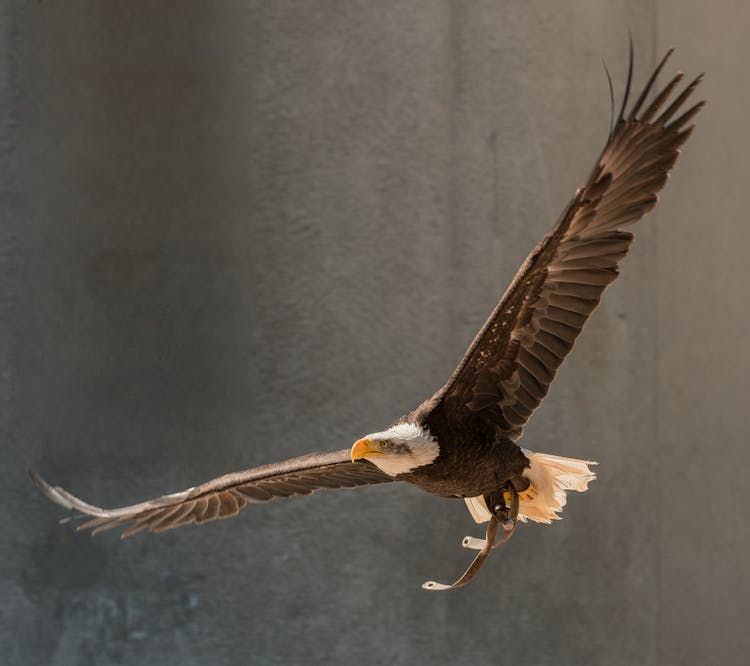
461	442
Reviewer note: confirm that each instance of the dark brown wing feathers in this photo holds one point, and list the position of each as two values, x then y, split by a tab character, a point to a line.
226	495
511	363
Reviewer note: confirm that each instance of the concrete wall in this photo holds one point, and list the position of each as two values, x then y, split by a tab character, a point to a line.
239	232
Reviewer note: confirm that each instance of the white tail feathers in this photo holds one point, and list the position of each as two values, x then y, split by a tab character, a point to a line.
551	477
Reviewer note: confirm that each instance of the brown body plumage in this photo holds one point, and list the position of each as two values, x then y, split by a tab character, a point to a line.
476	458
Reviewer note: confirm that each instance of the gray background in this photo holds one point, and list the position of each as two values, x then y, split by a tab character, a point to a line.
239	232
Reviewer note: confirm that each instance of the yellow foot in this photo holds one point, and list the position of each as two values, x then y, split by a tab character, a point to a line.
508	496
528	495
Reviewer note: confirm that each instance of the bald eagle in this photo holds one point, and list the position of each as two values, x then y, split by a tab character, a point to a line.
462	441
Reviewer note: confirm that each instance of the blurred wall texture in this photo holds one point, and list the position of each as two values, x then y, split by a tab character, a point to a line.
238	232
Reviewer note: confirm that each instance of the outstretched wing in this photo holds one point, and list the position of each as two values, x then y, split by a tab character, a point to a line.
508	368
226	495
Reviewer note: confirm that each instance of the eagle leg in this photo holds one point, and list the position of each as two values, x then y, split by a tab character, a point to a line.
506	508
502	514
506	511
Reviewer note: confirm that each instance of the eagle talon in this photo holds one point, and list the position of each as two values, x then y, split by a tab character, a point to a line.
528	495
505	506
508	494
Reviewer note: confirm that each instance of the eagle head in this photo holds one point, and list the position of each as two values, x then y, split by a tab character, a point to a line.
398	450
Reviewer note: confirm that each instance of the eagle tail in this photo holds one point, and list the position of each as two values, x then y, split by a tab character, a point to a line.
551	477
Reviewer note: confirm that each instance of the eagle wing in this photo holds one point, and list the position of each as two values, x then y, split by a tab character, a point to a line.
511	363
226	495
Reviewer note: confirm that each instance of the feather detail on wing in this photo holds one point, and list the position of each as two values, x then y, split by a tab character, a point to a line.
226	495
508	368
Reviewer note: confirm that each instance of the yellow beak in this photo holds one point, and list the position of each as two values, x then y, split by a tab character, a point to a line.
365	448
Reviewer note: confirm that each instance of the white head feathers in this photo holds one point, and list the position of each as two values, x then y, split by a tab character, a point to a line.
419	448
